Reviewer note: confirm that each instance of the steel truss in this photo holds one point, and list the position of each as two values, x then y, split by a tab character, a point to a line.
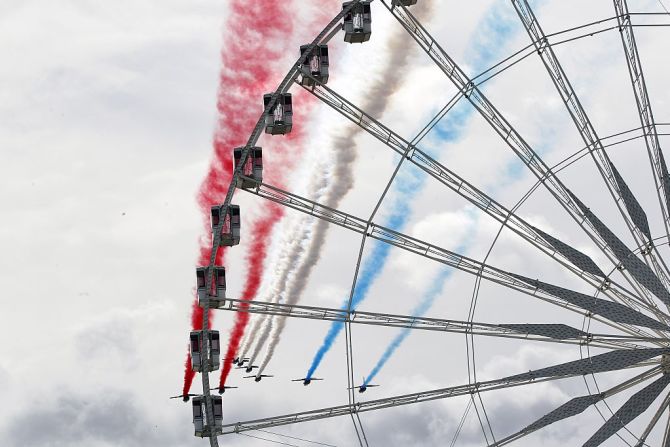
659	168
570	369
553	333
607	312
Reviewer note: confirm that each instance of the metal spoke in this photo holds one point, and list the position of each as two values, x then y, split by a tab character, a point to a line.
654	421
610	361
666	434
552	332
638	269
575	406
639	86
634	407
577	302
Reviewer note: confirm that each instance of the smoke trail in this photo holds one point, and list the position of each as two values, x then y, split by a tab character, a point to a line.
374	264
408	185
424	305
255	256
500	30
249	27
292	256
280	273
341	180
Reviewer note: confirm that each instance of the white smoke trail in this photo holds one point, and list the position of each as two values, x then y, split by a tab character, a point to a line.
341	178
282	269
292	252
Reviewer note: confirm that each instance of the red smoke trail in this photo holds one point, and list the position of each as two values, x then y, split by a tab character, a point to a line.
255	258
253	36
273	213
256	37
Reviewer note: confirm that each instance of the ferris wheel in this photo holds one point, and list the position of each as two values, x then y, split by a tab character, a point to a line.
622	350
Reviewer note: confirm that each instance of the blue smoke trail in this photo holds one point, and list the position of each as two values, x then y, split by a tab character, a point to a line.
424	305
498	27
407	184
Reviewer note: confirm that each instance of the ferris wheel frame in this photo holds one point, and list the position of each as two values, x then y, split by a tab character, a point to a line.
647	281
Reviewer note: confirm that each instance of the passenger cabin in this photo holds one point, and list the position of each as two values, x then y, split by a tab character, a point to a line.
279	119
230	228
203	427
198	344
315	65
217	293
357	22
253	167
404	2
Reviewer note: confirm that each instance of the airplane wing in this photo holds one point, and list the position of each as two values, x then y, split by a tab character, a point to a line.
181	396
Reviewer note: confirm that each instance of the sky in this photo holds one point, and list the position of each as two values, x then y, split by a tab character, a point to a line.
108	112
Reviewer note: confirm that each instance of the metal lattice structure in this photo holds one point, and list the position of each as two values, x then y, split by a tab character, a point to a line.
631	300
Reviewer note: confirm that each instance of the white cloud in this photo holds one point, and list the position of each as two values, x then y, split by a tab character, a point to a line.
108	108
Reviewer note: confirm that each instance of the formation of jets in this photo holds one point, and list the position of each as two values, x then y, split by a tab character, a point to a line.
258	377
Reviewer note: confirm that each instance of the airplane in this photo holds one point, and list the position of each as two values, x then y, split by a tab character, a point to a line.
240	361
258	377
305	381
184	397
222	390
248	368
362	388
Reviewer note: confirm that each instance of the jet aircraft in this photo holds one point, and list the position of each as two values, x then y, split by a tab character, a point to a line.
258	377
184	397
305	381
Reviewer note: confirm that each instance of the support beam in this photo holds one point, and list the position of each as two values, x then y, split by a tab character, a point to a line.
654	420
553	333
635	406
610	361
636	219
608	312
659	168
575	406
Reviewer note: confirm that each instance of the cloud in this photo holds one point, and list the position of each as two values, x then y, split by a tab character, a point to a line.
113	339
418	425
4	377
107	418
